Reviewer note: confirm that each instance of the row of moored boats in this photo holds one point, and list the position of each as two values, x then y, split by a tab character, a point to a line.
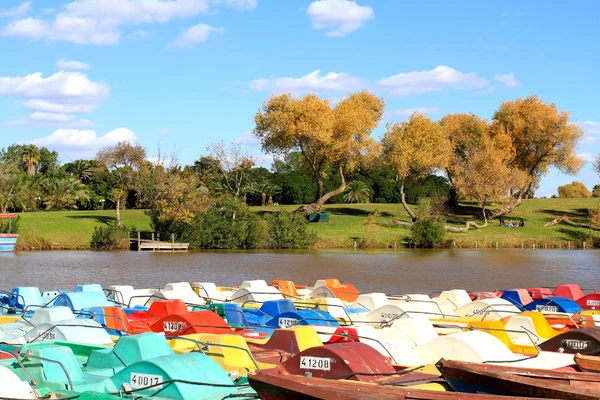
283	341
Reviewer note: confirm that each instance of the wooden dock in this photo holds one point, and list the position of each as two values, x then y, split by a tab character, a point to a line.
157	245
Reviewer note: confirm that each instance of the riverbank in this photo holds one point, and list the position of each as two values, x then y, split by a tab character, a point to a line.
72	230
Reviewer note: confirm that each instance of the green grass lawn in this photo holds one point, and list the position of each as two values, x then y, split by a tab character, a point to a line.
73	229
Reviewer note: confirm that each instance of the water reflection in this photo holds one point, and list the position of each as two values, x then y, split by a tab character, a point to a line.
401	271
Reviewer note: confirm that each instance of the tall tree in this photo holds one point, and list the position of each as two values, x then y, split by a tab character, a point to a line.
124	160
31	158
486	175
62	193
327	137
540	137
81	169
415	149
233	165
12	183
574	190
465	133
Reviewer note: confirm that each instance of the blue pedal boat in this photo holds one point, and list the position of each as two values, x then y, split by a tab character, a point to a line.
8	240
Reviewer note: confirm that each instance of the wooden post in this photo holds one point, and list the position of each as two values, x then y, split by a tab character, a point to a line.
355	245
496	244
569	245
584	245
172	238
533	246
521	245
139	241
395	245
153	236
475	244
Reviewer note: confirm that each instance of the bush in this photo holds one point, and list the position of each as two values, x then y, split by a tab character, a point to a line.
289	230
596	191
7	227
228	224
110	238
574	190
427	233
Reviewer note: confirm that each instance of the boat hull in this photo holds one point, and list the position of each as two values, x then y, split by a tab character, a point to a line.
8	242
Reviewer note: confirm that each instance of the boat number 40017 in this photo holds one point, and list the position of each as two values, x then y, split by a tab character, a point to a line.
140	381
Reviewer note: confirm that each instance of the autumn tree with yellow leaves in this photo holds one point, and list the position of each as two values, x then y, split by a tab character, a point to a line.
539	137
415	149
326	136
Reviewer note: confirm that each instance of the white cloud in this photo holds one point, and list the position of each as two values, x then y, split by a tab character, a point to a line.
55	98
44	105
338	17
588	157
140	34
17	12
194	35
508	80
84	141
248	139
60	85
137	11
590	127
313	82
410	110
435	80
66	28
72	65
238	4
29	28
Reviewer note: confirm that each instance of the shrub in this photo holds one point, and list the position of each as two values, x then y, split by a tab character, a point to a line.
427	233
289	230
110	238
596	191
228	224
574	190
10	227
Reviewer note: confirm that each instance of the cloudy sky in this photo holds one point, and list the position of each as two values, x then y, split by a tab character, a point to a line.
79	75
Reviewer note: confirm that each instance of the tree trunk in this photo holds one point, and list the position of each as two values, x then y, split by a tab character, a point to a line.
270	201
319	189
412	215
263	199
316	206
119	224
567	221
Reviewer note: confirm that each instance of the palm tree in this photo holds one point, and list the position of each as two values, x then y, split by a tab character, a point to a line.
63	193
272	190
357	192
31	157
81	169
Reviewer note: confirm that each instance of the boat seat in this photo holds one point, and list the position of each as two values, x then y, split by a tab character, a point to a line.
206	289
370	301
128	350
519	297
52	371
30	295
92	287
454	298
257	284
521	323
571	291
51	314
287	288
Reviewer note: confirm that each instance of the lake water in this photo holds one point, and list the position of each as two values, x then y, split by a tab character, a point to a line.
388	271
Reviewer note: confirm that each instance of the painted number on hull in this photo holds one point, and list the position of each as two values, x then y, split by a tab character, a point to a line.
140	381
170	326
389	315
576	344
47	336
287	322
546	308
321	363
593	303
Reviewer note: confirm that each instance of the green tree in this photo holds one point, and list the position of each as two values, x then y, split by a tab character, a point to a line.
124	161
62	193
31	158
357	192
82	170
596	191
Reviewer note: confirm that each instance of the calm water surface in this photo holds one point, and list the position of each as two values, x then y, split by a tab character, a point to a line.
392	272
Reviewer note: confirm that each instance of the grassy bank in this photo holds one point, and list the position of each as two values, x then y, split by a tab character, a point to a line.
73	229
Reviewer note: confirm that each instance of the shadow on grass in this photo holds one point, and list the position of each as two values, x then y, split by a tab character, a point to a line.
577	213
355	211
570	234
104	219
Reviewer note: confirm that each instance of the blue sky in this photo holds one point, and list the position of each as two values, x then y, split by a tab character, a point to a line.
79	75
